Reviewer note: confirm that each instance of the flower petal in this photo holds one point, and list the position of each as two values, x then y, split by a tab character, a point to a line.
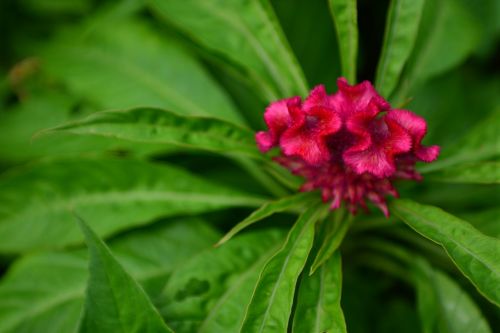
278	117
296	142
417	128
373	160
351	99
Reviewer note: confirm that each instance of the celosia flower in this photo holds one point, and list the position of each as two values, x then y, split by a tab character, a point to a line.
351	145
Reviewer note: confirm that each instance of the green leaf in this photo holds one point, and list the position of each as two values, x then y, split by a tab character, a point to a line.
442	305
475	173
345	17
48	109
271	304
114	301
36	201
210	291
161	127
334	235
247	34
478	144
157	74
291	203
18	124
434	51
401	29
315	20
318	304
475	254
54	303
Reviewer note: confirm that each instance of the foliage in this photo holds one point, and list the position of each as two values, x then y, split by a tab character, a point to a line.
133	197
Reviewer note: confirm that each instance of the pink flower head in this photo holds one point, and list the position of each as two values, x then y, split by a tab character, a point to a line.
350	145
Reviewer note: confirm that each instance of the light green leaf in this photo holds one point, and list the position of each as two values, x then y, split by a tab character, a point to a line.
161	127
401	29
159	73
271	304
318	304
291	203
247	34
475	173
36	201
210	291
114	301
345	17
475	254
334	235
442	305
45	292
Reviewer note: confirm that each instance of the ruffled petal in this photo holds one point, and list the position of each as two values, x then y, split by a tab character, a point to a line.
317	97
359	123
351	99
417	128
296	142
427	154
278	118
264	141
373	160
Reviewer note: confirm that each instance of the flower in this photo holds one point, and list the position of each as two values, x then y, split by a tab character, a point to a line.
350	145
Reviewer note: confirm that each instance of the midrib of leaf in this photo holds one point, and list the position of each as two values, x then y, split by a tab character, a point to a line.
130	69
388	37
261	52
280	275
459	245
137	126
116	307
149	196
234	286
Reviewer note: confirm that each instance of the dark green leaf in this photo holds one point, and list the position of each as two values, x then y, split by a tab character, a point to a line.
318	304
106	66
345	16
475	254
486	221
291	203
443	306
209	292
478	144
161	127
114	301
36	201
434	50
271	304
45	292
246	32
401	29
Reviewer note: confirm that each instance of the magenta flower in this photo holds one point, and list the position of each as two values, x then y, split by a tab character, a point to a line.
351	145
